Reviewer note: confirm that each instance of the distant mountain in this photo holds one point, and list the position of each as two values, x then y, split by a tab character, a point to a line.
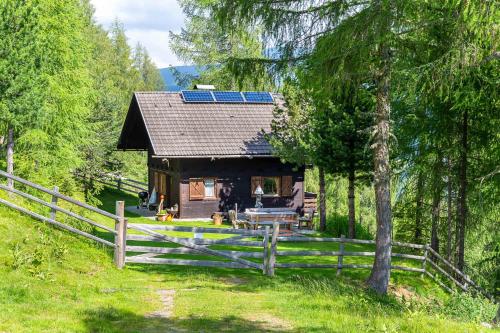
171	83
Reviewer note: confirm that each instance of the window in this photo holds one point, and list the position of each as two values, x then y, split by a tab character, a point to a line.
202	188
209	187
271	186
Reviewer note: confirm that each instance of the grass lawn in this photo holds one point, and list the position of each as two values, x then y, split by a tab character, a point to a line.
51	281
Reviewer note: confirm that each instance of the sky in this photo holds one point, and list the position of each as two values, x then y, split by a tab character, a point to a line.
145	21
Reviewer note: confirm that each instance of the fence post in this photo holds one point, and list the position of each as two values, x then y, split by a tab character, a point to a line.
54	202
341	255
119	183
274	246
265	244
424	262
121	235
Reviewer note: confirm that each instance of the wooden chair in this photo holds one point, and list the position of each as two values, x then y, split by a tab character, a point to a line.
233	217
307	219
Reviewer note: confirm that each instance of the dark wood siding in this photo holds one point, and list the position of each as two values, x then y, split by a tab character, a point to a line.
233	183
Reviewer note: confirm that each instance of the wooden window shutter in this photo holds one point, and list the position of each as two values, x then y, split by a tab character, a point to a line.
286	186
196	189
255	181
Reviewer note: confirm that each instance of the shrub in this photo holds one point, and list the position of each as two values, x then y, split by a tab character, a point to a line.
465	307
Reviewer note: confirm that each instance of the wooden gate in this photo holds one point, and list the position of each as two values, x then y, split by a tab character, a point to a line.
146	238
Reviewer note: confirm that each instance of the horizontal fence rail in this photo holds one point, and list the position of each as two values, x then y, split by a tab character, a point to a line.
55	207
120	183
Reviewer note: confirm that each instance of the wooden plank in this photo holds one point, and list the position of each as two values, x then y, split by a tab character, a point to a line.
189	244
146	255
357	266
199	229
410	245
59	224
407	256
53	211
346	240
185	250
442	271
134	181
265	245
121	235
324	239
195	241
308	265
274	249
340	258
57	208
304	265
439	282
408	269
59	195
426	254
184	262
307	253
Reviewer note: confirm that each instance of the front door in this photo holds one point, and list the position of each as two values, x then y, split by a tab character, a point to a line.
162	187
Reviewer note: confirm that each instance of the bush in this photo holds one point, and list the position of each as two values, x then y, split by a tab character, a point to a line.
465	307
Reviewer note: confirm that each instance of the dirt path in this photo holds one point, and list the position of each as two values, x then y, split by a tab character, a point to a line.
167	300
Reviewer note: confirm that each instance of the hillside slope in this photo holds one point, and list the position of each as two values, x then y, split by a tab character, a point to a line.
51	281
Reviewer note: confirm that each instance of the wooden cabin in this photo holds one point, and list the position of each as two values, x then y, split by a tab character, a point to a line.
208	153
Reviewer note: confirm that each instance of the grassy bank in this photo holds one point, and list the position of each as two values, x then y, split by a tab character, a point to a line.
54	282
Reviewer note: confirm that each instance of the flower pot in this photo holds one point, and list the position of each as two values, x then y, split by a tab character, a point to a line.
161	217
217	219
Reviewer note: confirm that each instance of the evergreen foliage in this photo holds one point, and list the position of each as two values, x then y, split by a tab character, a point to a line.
66	87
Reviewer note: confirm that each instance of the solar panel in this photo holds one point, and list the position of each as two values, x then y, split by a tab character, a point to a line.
197	96
228	96
258	97
206	96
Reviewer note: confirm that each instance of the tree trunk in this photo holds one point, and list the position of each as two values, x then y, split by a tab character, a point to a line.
462	193
418	208
436	202
380	274
322	200
449	214
351	197
10	156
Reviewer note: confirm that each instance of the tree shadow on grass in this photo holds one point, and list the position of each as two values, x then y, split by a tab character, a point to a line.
113	320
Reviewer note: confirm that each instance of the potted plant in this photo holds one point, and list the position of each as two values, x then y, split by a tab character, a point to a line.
217	217
161	215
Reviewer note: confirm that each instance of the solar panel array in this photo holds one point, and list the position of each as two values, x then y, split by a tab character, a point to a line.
207	96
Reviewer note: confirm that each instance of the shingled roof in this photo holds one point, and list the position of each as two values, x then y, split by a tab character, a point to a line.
163	122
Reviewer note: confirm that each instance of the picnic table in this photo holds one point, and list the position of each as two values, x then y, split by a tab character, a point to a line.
268	217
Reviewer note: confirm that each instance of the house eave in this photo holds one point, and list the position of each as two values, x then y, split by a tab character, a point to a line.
216	156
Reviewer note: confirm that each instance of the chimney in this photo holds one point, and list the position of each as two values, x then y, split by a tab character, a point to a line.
204	87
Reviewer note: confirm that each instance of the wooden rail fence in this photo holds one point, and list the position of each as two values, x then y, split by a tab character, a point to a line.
120	183
189	245
54	205
264	251
430	262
